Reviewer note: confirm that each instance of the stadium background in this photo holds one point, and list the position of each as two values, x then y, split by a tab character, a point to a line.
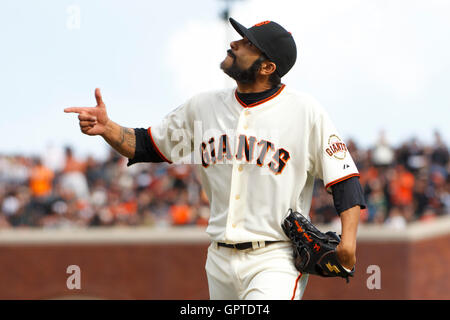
138	232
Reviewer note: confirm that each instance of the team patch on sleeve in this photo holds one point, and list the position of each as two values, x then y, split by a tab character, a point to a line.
336	148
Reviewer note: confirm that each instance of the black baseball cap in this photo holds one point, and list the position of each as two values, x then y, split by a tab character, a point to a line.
273	40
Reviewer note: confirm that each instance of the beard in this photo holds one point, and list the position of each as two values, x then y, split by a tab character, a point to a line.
244	76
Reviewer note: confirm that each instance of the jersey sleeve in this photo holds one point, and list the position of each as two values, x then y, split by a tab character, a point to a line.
330	159
145	150
347	194
173	136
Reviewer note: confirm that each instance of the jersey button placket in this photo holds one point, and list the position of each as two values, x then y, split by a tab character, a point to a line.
244	123
238	187
246	119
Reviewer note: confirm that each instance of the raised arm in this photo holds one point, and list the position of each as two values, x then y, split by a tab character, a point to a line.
94	121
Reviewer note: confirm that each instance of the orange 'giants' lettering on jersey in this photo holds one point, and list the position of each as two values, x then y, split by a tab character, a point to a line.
336	148
248	149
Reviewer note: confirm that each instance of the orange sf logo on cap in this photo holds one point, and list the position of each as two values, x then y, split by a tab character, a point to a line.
261	23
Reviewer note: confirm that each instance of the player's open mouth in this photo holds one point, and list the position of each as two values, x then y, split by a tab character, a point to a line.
231	54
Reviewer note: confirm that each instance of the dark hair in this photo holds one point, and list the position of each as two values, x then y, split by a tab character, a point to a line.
274	78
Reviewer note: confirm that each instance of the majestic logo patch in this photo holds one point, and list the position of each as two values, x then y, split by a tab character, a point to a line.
336	148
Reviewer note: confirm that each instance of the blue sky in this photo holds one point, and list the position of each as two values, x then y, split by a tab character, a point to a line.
372	64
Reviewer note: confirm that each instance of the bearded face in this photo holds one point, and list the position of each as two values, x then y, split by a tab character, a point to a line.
241	75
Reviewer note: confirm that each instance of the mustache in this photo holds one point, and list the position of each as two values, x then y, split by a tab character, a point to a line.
230	52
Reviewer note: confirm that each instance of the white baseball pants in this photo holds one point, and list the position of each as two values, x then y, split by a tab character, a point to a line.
254	274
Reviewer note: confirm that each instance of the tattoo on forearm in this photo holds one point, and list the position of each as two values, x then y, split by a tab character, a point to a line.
130	138
121	137
126	136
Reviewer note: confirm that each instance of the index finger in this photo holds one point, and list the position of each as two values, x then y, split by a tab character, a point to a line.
75	110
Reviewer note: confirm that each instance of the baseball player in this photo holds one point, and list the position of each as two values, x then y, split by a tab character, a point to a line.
258	147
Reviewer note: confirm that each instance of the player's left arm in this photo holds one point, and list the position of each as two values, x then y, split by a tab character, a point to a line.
348	198
346	250
332	162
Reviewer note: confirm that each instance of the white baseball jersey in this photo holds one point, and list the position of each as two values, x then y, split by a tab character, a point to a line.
255	161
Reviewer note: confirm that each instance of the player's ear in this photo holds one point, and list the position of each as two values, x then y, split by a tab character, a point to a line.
267	68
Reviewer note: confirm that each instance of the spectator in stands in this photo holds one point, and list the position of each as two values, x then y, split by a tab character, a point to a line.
41	180
421	196
377	202
53	158
439	156
396	220
445	197
416	159
74	178
10	209
401	186
382	153
40	185
437	192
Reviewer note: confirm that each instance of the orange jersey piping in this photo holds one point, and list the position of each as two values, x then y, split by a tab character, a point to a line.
341	179
295	288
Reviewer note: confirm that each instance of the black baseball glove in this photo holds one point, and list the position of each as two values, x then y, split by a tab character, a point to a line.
314	251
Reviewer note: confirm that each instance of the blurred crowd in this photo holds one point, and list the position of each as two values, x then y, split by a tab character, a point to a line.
59	190
401	185
55	190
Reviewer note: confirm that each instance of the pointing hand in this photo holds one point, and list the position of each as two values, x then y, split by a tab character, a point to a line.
93	120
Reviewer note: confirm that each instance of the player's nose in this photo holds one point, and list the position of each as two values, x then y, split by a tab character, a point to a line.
233	45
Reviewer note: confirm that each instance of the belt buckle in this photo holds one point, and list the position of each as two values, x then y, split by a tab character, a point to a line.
258	244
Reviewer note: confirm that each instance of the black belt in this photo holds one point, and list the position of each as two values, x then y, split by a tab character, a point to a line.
243	245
